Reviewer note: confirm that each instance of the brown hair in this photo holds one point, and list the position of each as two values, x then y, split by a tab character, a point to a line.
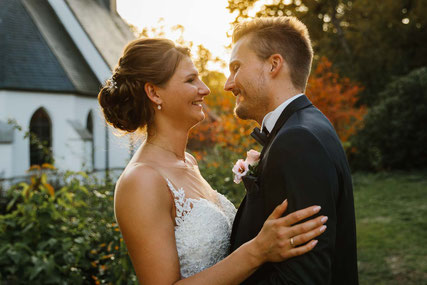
123	100
286	36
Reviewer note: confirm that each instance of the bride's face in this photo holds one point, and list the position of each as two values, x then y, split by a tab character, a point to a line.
183	95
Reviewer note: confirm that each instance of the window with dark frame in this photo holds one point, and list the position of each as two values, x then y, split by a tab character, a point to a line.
41	138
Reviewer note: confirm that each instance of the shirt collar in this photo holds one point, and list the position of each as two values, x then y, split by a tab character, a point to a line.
271	118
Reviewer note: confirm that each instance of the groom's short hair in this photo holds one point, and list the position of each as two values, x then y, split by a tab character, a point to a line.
286	36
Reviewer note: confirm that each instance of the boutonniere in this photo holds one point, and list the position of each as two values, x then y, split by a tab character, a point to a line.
247	166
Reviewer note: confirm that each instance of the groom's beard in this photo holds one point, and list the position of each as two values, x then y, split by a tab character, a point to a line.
252	106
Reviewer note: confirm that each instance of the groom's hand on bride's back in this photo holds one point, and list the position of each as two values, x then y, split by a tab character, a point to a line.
280	239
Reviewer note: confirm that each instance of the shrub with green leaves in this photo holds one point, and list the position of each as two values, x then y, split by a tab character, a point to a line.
62	236
394	135
216	166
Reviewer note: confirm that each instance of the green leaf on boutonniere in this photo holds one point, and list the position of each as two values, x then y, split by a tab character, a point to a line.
252	169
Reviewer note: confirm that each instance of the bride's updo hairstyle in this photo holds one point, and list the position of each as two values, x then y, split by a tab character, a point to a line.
123	100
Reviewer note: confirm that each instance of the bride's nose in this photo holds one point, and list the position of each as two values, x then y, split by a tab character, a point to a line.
204	90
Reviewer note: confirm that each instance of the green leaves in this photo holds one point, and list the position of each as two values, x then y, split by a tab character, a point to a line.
52	234
394	135
216	168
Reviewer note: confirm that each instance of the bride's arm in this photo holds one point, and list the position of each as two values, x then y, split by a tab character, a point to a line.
144	210
144	207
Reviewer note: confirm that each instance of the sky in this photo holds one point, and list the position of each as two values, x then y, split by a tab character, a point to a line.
205	21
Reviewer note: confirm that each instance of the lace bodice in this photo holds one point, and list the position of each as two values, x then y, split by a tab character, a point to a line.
202	231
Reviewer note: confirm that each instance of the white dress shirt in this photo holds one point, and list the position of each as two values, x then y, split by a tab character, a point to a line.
271	118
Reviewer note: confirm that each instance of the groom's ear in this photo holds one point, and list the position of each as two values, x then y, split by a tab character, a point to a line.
151	91
276	63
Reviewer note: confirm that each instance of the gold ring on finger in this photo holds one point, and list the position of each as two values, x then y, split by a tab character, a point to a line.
292	242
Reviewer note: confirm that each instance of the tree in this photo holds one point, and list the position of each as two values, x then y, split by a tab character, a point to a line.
394	135
336	97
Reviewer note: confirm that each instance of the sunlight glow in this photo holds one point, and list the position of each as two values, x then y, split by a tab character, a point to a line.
205	21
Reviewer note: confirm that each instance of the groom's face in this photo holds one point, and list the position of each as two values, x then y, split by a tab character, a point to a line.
247	81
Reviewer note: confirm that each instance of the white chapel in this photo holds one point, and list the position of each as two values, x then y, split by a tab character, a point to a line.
54	56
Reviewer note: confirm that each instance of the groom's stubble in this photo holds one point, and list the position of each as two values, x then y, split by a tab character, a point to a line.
255	99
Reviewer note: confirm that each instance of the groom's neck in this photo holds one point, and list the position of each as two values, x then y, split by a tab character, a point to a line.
277	97
280	95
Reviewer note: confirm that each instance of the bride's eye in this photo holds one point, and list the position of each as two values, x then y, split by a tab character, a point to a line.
190	80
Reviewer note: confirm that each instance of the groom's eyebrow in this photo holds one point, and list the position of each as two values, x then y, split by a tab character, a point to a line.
231	65
193	74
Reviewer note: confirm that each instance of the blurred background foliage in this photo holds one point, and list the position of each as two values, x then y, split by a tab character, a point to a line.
394	135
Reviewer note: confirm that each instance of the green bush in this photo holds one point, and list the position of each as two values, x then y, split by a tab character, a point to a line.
216	165
62	236
394	135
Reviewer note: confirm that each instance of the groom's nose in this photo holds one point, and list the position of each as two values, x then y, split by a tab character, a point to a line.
229	84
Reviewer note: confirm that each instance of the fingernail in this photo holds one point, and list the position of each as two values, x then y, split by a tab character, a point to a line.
324	219
323	228
314	242
284	201
317	209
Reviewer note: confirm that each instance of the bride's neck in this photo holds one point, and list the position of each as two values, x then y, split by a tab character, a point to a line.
173	139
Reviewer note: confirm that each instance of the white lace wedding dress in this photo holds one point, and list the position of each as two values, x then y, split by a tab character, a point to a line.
202	230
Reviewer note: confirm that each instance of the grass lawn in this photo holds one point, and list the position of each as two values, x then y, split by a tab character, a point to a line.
391	216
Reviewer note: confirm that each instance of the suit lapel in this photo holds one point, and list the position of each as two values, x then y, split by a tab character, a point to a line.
250	183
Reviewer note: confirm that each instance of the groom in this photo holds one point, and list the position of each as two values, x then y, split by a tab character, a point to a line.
302	159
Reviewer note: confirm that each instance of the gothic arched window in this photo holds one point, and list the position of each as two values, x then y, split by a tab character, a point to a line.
40	138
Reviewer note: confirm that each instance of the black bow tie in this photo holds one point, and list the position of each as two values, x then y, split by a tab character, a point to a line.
260	137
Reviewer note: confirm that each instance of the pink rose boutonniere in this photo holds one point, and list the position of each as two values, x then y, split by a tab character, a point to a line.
247	166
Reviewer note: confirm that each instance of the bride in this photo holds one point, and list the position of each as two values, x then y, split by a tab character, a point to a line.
175	226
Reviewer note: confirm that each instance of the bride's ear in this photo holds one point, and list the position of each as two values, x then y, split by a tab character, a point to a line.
151	91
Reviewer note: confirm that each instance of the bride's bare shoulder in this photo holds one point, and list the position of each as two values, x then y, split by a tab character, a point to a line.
140	183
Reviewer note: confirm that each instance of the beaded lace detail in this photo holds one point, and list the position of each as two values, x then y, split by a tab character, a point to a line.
202	231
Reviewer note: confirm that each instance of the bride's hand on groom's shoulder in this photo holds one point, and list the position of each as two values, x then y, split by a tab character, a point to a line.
280	239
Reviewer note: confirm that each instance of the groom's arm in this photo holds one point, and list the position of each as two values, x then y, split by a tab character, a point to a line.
300	170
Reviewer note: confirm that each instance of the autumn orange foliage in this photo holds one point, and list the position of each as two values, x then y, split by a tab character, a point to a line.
335	96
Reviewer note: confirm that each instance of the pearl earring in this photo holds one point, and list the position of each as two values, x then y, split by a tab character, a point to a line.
159	107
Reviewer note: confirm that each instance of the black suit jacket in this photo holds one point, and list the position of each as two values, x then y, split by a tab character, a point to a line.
304	162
